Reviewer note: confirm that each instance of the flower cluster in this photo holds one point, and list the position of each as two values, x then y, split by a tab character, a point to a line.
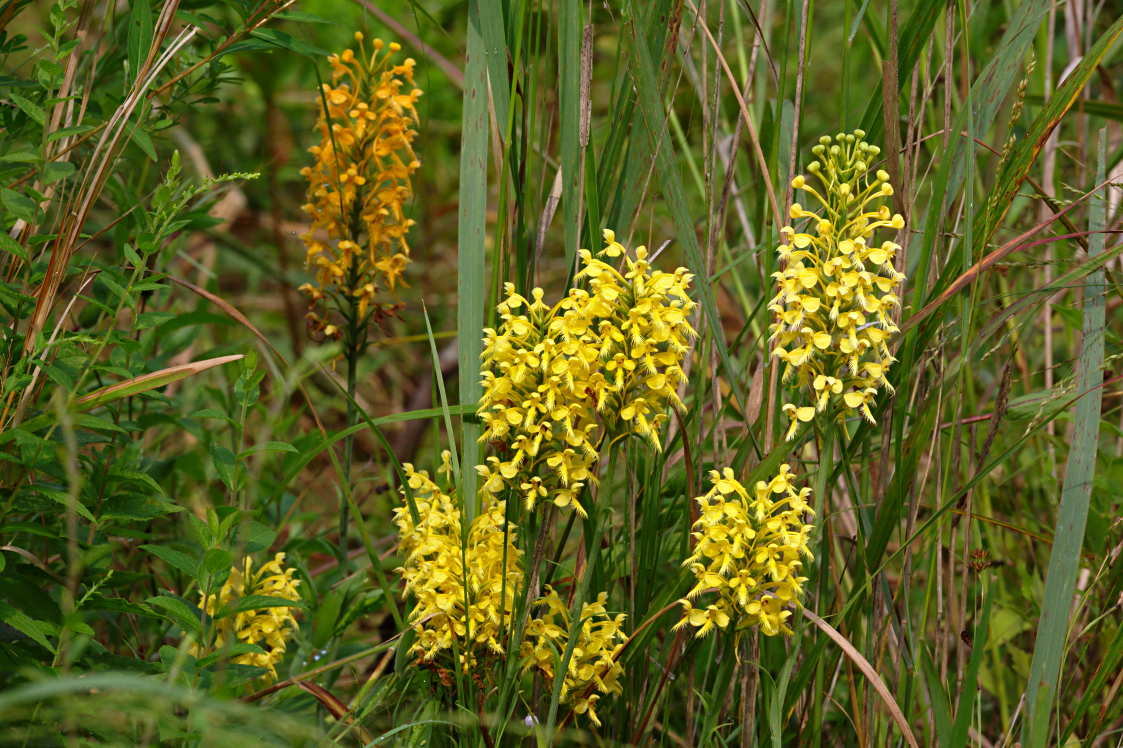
602	361
466	611
267	628
837	287
465	593
361	179
593	669
748	550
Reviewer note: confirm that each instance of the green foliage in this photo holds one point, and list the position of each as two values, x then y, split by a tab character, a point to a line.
164	414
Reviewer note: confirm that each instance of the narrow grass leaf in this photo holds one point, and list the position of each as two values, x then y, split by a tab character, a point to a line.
472	256
1015	168
1072	518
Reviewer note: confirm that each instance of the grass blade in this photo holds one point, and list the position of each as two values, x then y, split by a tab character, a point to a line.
1016	168
867	670
569	66
1048	652
472	257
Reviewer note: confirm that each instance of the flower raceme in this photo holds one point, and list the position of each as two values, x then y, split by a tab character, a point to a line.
267	628
593	669
465	593
361	178
838	286
748	550
604	361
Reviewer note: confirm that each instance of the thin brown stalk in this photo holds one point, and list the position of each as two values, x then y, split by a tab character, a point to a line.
867	670
260	16
455	75
890	100
758	152
800	69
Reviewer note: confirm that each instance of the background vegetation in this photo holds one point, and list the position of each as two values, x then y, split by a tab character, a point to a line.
966	587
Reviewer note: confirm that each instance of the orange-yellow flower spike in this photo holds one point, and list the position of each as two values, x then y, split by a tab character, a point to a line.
361	180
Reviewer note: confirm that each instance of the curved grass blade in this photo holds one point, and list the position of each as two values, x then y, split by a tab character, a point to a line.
130	387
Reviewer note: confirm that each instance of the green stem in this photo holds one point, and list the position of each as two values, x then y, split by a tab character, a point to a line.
822	479
354	342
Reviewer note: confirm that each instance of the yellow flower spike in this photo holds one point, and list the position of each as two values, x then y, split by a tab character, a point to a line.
267	628
747	552
837	286
593	669
361	179
443	575
560	379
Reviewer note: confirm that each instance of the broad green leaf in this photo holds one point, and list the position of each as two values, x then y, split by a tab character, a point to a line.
471	241
18	204
255	602
179	612
175	559
139	40
1068	537
37	631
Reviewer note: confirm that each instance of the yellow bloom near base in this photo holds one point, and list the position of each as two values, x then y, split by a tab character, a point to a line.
268	628
593	669
465	593
748	551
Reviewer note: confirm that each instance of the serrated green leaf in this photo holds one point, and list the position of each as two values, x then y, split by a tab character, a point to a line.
10	245
68	131
271	446
37	631
97	423
20	157
131	255
56	171
62	498
137	508
28	107
18	204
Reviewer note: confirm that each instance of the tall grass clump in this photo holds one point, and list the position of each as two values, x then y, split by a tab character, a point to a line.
668	373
